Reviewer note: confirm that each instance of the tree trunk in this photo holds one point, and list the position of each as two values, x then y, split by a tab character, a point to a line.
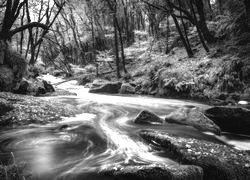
168	36
127	26
202	21
93	47
184	27
122	47
247	5
199	31
116	47
219	4
22	33
188	48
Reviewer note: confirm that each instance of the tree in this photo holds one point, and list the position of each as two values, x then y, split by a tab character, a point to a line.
188	10
113	8
12	11
35	44
247	6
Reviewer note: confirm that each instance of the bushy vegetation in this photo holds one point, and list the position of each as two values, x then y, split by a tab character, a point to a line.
178	47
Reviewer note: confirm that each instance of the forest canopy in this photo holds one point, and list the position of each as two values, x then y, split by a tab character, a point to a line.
90	33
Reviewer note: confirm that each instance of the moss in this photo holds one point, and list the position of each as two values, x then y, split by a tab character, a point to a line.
218	161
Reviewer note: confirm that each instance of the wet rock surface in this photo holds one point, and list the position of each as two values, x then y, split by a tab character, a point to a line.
34	87
153	172
230	119
217	161
107	87
26	110
193	117
84	79
126	88
146	117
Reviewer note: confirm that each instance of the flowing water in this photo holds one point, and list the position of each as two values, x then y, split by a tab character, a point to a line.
102	136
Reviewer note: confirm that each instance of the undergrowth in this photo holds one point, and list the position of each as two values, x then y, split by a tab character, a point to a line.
13	171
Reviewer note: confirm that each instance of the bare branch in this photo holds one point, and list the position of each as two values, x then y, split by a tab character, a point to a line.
27	26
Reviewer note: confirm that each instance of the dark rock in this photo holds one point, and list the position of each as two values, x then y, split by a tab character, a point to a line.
193	117
218	161
34	87
6	79
126	88
155	172
23	88
48	87
64	126
230	119
109	87
83	80
40	90
146	117
5	106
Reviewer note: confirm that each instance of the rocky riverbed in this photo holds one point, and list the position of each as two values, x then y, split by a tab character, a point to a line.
159	126
19	110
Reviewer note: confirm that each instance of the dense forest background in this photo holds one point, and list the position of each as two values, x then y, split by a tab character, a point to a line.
174	48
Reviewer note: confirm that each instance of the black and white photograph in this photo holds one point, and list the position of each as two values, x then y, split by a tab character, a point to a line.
124	89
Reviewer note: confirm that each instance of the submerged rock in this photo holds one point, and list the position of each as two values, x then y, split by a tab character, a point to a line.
108	87
155	172
230	119
218	161
193	117
146	117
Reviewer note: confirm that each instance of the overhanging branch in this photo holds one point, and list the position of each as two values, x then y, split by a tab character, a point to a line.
27	26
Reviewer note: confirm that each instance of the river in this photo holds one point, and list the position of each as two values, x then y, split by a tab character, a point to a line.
102	136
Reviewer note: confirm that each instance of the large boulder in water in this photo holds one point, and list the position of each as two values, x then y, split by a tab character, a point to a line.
146	117
218	161
193	117
107	87
230	119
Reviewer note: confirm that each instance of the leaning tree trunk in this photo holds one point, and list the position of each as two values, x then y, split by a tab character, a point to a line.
188	48
199	30
202	22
